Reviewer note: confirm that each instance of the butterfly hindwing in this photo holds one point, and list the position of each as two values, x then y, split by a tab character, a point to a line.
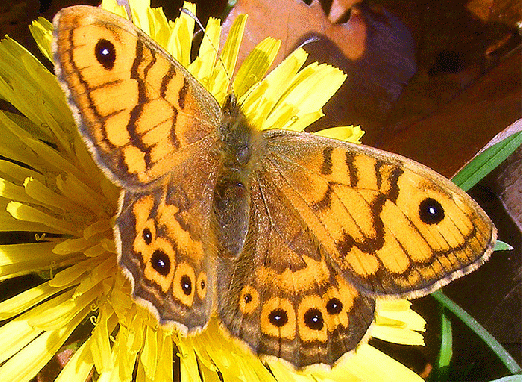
280	295
164	244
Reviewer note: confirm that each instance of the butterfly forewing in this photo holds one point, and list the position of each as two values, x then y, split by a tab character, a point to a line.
390	225
137	108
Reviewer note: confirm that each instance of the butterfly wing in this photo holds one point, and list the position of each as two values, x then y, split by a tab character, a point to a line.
281	295
332	225
162	238
390	225
152	128
140	111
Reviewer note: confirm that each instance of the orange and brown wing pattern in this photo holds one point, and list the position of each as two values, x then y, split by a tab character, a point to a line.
137	108
389	225
163	244
281	295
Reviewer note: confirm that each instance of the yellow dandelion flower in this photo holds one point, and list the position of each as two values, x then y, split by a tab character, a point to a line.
50	185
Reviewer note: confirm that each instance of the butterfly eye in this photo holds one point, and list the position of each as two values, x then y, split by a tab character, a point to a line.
105	53
431	211
278	317
313	318
160	262
334	306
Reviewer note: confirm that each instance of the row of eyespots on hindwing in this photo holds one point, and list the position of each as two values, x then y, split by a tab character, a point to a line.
313	319
164	265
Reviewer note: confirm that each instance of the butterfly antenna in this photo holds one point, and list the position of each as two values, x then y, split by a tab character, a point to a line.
216	50
194	17
125	3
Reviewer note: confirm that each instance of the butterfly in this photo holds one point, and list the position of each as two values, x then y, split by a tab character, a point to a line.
290	237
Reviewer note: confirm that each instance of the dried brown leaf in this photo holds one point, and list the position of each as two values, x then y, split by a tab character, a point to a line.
372	46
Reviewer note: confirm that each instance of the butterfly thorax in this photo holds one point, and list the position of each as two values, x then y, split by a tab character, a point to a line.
240	143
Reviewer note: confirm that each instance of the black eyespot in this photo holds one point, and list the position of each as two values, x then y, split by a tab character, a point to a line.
278	317
313	318
247	298
105	53
431	211
334	306
186	285
203	285
147	236
160	262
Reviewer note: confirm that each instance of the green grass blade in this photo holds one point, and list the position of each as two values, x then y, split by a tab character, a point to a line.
446	348
479	330
486	162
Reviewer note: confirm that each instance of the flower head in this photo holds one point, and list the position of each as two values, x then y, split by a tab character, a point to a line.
50	185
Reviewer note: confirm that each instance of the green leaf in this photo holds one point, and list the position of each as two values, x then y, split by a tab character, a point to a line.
446	348
479	330
486	162
501	246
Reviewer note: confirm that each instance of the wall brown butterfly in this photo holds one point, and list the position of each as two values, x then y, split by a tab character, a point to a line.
288	236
